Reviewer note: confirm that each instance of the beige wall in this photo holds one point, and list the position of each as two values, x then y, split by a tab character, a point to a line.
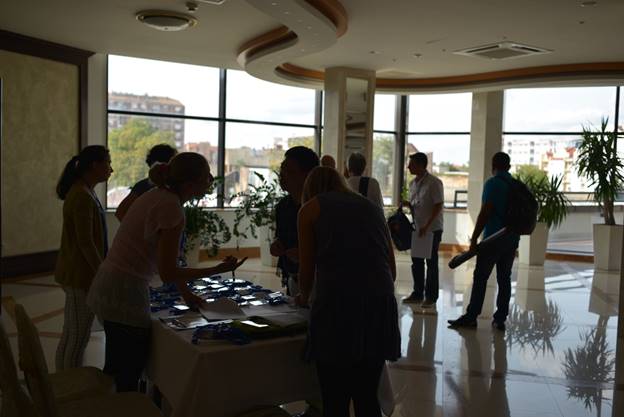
40	133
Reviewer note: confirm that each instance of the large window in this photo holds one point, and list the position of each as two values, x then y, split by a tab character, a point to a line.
257	148
542	127
249	98
439	126
384	144
152	102
144	111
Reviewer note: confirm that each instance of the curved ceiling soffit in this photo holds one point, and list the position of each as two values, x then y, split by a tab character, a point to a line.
312	26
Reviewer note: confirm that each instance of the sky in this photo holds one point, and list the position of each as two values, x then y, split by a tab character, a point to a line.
531	109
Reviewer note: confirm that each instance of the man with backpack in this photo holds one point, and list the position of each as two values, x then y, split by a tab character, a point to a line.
495	214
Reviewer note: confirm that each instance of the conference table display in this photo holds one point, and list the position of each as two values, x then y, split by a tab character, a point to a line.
242	349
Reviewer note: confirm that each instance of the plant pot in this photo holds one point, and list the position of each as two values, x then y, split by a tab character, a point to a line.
192	255
532	249
264	240
608	247
530	294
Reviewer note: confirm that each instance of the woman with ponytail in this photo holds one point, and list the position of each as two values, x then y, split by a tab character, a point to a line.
147	245
83	246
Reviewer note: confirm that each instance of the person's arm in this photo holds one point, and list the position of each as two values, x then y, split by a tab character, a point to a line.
190	299
391	259
83	213
277	246
168	247
125	204
484	215
308	216
434	213
375	191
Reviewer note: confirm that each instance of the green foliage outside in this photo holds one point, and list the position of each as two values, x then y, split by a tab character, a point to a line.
530	171
552	203
599	162
383	161
128	148
307	141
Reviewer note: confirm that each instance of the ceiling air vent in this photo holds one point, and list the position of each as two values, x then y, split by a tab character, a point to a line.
503	50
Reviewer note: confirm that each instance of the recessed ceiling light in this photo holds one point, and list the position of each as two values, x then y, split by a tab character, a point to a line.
589	3
417	55
374	52
309	27
287	12
166	20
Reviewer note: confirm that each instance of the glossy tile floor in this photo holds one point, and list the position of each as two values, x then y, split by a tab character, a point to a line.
557	357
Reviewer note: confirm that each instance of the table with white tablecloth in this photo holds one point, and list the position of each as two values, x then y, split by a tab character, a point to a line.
216	378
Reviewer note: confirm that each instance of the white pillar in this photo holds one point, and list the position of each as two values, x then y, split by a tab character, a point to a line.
485	140
348	109
97	108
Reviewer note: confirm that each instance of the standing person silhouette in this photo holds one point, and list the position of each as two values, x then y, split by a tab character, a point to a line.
84	244
491	219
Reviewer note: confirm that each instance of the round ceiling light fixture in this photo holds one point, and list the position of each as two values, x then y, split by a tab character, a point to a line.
166	20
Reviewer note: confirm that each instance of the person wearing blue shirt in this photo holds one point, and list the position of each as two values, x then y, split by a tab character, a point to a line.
491	219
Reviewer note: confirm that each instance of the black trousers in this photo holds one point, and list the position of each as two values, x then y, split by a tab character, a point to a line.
501	255
431	286
342	382
126	353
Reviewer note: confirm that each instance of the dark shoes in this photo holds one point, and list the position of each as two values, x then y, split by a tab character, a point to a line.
463	321
428	304
413	299
498	325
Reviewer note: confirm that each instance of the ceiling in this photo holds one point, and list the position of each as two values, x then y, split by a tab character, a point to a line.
395	29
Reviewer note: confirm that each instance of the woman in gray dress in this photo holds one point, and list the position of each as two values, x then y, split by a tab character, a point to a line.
345	253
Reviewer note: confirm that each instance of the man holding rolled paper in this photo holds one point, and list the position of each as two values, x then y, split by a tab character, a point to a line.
492	219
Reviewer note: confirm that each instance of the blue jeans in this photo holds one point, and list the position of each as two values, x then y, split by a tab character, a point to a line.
430	288
501	255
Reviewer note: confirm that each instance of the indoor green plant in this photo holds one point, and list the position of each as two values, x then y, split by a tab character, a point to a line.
552	209
204	228
599	163
256	212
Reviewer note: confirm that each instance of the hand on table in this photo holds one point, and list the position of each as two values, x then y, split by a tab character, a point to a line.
301	300
231	263
193	301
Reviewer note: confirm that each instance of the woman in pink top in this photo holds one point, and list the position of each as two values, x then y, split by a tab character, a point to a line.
146	245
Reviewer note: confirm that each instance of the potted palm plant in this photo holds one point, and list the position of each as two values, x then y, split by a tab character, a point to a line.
204	229
254	217
552	210
599	163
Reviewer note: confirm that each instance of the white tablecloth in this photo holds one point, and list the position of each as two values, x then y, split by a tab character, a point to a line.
219	379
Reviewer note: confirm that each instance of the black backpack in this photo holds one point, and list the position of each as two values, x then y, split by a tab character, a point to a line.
522	207
400	230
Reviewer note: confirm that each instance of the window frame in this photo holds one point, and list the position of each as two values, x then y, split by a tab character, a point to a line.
222	121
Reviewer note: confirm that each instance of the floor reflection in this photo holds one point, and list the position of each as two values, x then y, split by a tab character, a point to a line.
535	328
557	357
591	362
471	397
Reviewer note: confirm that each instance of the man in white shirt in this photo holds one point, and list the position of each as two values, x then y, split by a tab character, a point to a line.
367	186
426	194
